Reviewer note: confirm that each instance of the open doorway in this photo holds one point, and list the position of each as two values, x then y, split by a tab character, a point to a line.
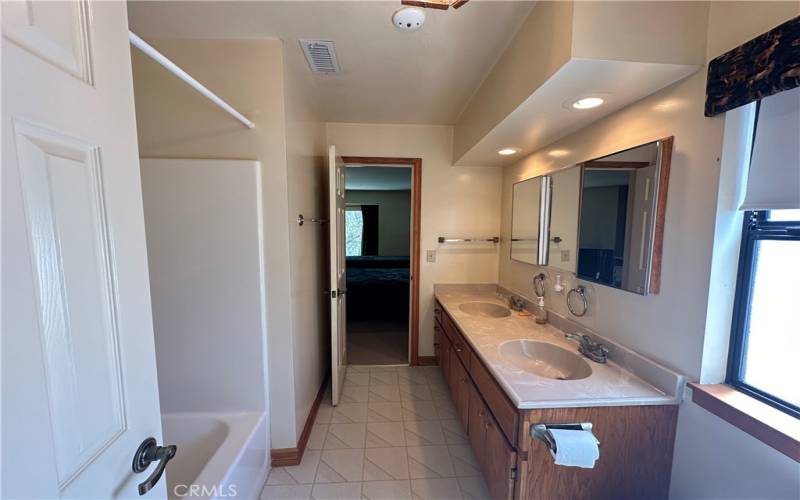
380	244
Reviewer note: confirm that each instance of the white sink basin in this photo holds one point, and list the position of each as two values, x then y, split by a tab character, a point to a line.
485	309
544	359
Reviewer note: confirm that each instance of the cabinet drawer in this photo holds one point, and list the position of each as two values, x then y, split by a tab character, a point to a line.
460	345
502	408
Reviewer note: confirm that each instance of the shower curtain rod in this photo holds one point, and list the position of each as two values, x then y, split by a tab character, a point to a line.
186	77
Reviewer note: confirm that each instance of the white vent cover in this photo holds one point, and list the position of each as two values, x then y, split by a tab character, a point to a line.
321	56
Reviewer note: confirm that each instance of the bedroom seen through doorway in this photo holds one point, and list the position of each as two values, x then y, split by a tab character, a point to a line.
378	235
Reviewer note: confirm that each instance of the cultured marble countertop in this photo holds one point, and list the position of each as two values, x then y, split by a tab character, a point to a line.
627	379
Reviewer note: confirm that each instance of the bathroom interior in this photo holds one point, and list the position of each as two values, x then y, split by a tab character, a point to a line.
400	249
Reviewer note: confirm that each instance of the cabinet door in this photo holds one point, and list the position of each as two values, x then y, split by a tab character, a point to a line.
476	422
444	363
437	342
460	387
498	461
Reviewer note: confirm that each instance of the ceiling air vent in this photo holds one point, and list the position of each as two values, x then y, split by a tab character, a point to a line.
321	56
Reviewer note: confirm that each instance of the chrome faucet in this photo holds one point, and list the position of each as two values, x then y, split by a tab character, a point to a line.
595	351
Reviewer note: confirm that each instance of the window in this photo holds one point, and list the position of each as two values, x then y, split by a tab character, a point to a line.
766	331
354	231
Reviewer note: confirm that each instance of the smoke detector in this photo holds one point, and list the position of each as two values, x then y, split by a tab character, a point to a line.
409	19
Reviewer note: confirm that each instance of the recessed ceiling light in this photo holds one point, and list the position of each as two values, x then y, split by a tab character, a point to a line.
588	102
508	151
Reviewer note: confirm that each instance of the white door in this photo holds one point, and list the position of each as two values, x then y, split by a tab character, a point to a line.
338	284
79	388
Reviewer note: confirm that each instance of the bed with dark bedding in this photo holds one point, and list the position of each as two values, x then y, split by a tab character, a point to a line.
377	288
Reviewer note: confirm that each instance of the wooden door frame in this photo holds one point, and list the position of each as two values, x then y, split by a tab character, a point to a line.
416	217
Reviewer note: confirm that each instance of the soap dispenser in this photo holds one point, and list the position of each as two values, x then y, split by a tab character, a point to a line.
539	312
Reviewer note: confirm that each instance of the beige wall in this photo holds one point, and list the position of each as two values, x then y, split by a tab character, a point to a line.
712	459
456	201
394	218
307	194
541	46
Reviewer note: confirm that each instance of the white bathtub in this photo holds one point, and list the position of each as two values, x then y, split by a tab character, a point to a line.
220	455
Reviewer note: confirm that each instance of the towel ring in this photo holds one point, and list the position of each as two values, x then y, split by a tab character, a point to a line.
581	291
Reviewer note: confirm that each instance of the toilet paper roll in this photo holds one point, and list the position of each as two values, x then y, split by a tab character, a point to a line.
575	448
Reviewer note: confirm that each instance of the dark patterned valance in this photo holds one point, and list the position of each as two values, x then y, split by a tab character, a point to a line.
765	65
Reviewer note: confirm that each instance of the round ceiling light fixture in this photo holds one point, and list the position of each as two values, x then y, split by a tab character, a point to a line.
508	151
588	102
409	19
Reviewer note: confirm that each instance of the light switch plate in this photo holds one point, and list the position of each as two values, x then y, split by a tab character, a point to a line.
430	256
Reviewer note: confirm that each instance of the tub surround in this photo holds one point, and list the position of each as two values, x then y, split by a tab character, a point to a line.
628	379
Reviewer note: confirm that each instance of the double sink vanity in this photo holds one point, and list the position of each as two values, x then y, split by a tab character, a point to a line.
506	373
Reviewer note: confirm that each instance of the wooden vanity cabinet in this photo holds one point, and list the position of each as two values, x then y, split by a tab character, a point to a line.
636	442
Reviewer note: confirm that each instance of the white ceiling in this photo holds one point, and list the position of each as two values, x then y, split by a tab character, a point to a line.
388	76
383	178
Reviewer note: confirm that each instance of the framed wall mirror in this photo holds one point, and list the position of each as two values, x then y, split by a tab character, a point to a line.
564	217
621	218
526	220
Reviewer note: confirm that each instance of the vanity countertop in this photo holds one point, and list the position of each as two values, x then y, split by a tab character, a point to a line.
628	379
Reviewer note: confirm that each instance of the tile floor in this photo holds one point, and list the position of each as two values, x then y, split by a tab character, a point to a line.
394	435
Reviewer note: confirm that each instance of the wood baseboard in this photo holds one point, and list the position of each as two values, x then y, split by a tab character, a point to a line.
427	361
282	457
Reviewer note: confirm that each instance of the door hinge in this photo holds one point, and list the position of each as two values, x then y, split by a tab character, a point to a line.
513	473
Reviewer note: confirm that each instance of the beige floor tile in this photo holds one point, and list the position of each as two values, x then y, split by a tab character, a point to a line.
306	471
383	377
439	391
415	393
343	491
345	436
385	434
429	461
324	414
354	394
384	393
464	461
356	378
339	466
420	410
435	489
287	492
358	368
349	413
474	488
423	432
385	464
279	475
386	490
316	439
454	432
378	411
409	375
445	409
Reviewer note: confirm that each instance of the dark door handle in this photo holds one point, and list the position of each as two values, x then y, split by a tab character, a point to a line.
150	452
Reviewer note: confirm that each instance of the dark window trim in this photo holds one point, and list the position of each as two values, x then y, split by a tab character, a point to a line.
756	228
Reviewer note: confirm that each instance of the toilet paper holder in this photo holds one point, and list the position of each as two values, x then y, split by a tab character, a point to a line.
539	431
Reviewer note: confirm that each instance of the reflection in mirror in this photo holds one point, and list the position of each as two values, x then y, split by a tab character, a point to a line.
617	218
525	220
566	199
